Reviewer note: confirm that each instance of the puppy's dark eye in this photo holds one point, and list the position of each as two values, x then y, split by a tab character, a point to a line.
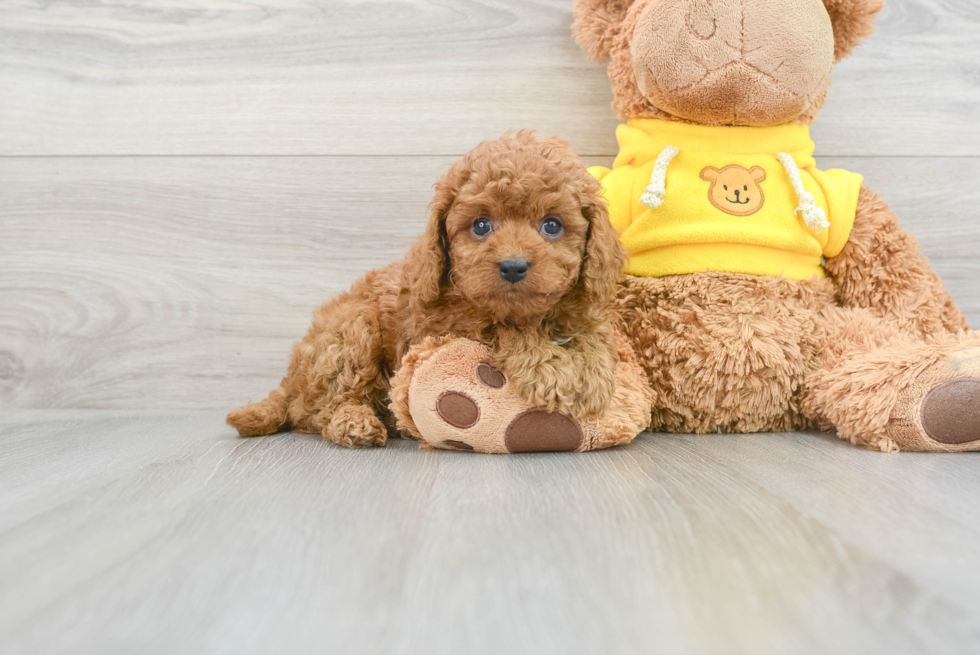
551	227
482	227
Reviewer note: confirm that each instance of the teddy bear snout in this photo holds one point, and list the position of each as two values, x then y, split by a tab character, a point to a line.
747	62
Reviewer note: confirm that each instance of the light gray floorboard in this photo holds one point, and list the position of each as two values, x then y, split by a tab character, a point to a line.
181	282
408	77
168	534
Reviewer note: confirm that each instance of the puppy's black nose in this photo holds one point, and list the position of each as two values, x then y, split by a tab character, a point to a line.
513	269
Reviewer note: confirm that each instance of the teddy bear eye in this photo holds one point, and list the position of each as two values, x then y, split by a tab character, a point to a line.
482	227
746	187
726	187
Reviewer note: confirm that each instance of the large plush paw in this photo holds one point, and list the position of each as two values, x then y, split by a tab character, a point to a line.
455	400
940	410
356	426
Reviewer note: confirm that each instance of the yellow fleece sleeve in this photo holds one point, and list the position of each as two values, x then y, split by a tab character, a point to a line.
841	189
616	188
599	172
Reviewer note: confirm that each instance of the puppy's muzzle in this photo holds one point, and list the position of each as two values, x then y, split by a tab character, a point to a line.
513	269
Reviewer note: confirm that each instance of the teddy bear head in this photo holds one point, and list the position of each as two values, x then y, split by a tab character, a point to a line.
722	62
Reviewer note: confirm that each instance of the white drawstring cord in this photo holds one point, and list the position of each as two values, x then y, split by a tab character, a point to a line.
814	217
657	190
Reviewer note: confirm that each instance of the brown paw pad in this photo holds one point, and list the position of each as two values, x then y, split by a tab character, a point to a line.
951	412
458	409
538	430
490	376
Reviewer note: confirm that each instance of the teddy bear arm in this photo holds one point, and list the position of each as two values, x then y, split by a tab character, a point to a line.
398	394
449	395
882	269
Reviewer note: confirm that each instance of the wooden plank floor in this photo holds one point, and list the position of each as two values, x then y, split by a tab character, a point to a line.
167	534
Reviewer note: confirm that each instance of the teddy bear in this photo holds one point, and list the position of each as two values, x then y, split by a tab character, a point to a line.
762	293
447	395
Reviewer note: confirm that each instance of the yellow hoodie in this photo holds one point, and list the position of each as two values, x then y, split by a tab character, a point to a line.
687	198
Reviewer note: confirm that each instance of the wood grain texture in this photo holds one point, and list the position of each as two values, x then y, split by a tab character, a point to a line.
182	282
409	77
168	534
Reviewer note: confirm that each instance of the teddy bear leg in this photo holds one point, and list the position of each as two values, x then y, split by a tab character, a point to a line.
449	396
890	391
883	270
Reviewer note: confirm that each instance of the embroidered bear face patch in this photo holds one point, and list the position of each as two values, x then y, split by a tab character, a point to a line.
735	190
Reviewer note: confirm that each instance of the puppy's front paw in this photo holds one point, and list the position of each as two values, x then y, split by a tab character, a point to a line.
595	395
551	384
356	426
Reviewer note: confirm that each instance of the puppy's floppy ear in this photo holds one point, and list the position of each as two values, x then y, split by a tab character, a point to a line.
853	21
428	263
605	256
597	24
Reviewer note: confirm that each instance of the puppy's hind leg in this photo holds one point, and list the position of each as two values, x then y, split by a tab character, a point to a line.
261	419
355	426
343	362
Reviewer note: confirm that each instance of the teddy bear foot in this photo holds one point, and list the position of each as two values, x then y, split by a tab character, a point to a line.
940	411
936	403
447	395
951	412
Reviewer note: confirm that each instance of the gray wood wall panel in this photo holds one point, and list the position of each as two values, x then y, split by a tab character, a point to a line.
180	282
409	77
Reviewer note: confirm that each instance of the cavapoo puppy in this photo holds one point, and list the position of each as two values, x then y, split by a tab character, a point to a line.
519	254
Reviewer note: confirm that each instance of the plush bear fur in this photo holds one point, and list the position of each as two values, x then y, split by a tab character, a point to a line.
878	350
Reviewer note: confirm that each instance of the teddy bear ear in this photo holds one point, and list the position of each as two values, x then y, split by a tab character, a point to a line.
853	21
597	24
